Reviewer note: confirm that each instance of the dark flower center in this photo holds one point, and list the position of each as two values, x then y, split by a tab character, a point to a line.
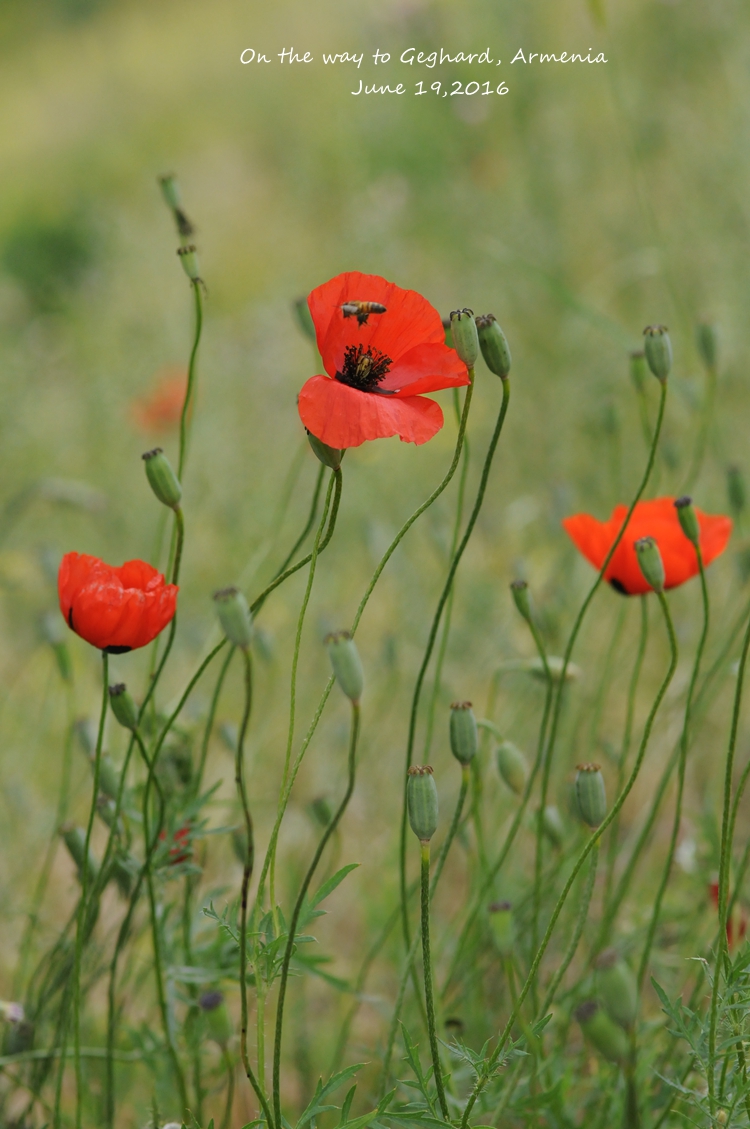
619	586
363	368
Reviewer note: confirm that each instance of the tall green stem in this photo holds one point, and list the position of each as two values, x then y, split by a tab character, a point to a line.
290	943
83	903
192	369
437	1072
433	635
583	913
486	1072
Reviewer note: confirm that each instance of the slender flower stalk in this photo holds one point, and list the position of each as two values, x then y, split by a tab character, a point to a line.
290	943
82	917
577	932
433	635
437	1072
192	373
593	841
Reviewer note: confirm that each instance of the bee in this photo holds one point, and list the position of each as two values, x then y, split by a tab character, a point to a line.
361	310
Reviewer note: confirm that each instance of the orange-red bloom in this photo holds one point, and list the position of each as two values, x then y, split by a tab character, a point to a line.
115	609
657	519
379	361
161	407
182	849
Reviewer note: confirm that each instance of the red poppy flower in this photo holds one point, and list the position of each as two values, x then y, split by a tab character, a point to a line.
160	408
115	609
382	347
657	519
182	850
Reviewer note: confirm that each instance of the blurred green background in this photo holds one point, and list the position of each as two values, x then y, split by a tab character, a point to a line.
586	203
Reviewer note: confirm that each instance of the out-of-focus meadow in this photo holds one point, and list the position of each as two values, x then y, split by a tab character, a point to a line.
585	204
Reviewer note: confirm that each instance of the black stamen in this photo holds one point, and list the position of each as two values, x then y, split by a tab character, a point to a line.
619	586
70	619
117	650
363	368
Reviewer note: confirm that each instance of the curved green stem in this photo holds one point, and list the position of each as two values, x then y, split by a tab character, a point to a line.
593	841
684	742
192	368
583	913
289	949
724	865
433	635
437	1072
81	920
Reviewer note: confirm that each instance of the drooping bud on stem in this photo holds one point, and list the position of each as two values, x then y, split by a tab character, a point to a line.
707	340
616	986
329	456
109	775
304	318
688	519
189	258
216	1017
465	339
519	590
493	344
591	794
501	923
234	616
422	802
553	826
162	479
658	350
512	766
74	838
463	732
603	1034
650	562
346	663
123	706
638	370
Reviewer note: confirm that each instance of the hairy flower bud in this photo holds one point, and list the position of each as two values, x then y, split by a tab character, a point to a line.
512	766
422	801
658	350
688	519
493	344
188	256
591	795
602	1032
463	732
329	456
465	339
123	706
616	986
707	340
650	562
162	479
519	590
234	616
346	663
501	923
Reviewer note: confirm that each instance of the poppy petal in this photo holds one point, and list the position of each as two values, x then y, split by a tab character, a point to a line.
409	319
345	417
409	375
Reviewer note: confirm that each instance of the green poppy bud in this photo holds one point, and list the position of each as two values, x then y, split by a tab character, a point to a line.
591	795
346	664
304	318
216	1017
162	479
422	802
650	562
170	191
465	339
189	258
688	519
109	776
123	706
75	840
329	456
602	1032
616	987
234	616
553	826
519	590
658	350
736	490
493	344
320	810
463	731
512	766
707	340
501	923
638	370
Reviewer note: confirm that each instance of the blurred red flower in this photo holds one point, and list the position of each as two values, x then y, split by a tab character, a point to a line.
160	408
115	609
378	363
657	519
736	922
182	850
